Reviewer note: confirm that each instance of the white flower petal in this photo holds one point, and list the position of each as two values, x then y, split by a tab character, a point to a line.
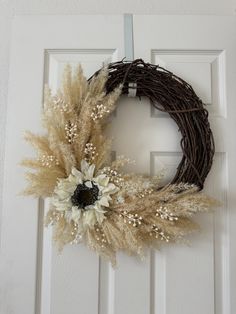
104	201
62	194
76	176
66	187
75	172
110	188
90	172
75	214
61	205
89	207
89	218
99	208
89	184
84	166
102	180
100	217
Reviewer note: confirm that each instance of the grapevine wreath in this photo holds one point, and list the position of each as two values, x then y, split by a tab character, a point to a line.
92	200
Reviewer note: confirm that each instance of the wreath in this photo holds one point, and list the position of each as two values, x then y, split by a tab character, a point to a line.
92	199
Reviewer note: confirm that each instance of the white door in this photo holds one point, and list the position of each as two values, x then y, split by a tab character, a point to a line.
194	279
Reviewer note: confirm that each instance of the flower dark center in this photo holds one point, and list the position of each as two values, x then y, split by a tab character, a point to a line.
84	196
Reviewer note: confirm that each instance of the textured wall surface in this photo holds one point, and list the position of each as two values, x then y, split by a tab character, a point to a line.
10	8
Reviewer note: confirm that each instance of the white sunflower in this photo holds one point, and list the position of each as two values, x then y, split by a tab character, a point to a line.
83	197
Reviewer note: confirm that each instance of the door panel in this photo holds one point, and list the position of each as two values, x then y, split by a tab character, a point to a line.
196	279
40	280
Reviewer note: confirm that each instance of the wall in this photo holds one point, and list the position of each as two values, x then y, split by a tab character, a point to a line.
10	8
